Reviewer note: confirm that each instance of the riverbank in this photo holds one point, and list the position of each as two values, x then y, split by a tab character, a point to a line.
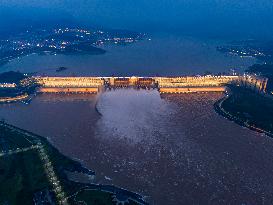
136	59
168	151
48	172
13	99
248	109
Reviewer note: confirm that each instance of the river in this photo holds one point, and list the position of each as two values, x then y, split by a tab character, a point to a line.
173	149
165	54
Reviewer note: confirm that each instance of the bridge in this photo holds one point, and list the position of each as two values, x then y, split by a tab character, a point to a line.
183	84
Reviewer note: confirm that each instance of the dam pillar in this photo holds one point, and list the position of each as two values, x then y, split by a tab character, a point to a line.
112	81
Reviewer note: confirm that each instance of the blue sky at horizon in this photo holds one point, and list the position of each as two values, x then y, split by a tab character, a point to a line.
233	16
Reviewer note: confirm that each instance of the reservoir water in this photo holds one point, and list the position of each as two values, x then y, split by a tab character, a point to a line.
165	55
172	149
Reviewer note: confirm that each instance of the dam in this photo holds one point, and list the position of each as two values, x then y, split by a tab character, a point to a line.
185	84
182	84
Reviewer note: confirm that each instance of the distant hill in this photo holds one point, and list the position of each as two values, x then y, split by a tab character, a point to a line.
11	77
14	21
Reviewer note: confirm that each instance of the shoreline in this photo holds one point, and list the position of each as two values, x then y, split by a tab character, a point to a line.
14	99
109	65
221	111
72	187
95	51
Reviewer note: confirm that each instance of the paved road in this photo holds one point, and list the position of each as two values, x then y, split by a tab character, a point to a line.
47	164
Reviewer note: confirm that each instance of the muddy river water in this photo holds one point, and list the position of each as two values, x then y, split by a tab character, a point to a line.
173	149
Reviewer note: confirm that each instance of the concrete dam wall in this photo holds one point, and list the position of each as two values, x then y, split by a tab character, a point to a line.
184	84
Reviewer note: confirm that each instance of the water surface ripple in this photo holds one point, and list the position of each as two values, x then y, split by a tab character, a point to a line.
173	149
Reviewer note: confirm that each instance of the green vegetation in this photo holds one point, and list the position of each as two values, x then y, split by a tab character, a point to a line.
250	107
11	77
24	172
21	175
13	141
24	84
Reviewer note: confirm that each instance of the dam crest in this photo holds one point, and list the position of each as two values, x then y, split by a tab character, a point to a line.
185	84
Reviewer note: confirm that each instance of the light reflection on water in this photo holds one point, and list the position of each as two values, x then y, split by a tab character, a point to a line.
174	149
165	55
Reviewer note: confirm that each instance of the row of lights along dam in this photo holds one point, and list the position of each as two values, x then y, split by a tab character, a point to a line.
184	84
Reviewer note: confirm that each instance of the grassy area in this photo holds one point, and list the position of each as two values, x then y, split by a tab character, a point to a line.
12	140
62	163
250	107
21	175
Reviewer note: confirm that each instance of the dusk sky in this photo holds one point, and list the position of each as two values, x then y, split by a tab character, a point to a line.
209	16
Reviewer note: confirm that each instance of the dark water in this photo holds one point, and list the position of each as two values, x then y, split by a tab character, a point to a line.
173	149
165	54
